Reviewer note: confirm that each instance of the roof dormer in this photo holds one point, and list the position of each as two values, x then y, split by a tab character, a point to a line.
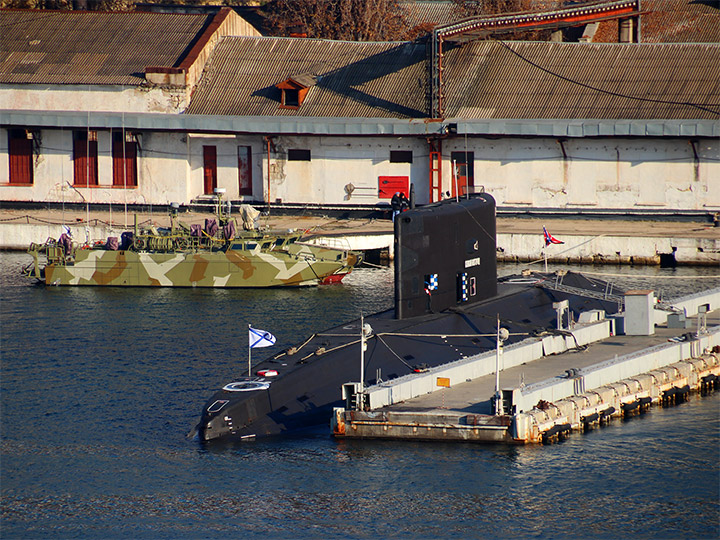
294	90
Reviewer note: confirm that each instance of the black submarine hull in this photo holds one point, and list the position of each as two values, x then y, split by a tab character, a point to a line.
447	303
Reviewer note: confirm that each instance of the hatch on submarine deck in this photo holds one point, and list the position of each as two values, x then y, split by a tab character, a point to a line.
447	301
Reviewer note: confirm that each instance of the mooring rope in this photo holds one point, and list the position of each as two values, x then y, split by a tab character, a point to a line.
633	276
569	248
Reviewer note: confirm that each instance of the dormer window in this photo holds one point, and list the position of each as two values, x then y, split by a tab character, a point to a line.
294	90
291	97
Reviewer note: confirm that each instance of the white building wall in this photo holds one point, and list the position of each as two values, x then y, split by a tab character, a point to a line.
226	148
602	173
518	172
162	169
634	174
161	166
337	162
93	98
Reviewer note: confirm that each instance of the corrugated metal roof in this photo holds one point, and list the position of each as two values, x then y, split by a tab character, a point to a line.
520	80
353	79
429	12
578	80
89	47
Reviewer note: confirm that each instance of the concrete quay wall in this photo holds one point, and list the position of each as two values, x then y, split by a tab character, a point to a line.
611	249
612	370
620	397
518	240
19	236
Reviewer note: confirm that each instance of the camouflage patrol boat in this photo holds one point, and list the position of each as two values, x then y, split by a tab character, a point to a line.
181	256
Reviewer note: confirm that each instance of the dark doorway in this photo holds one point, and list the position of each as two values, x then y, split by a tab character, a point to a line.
210	169
463	175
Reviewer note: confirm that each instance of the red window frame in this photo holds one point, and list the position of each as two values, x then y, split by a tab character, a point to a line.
85	158
20	152
124	155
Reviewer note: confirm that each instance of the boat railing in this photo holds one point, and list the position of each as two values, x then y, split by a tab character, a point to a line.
330	242
174	242
607	294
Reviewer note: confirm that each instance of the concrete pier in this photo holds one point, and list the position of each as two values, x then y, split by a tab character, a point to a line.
611	241
567	387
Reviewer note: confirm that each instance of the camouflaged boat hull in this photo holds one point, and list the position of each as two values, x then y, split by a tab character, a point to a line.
200	269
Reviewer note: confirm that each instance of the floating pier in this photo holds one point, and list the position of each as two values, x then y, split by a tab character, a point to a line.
550	386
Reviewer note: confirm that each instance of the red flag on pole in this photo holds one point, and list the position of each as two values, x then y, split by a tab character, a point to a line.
550	239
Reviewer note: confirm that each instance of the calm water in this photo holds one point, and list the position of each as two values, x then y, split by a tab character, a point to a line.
100	386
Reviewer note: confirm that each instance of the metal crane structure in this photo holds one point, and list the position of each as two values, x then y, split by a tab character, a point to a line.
627	11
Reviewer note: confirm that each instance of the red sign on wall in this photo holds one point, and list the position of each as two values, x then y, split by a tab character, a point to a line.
390	185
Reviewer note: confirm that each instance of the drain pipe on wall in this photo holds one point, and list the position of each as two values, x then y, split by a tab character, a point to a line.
268	141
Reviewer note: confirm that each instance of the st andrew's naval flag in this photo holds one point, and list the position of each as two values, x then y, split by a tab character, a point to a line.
260	338
550	239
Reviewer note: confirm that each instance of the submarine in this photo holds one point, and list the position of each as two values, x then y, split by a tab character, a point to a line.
447	304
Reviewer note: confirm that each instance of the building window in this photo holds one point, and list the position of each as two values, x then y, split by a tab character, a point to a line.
401	156
294	90
298	155
291	97
85	158
124	155
245	170
20	149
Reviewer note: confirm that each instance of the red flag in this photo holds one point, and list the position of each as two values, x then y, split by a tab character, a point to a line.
550	239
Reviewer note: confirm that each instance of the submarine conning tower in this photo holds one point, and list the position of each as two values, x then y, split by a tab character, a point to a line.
445	255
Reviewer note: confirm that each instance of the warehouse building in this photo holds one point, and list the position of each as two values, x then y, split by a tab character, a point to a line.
151	117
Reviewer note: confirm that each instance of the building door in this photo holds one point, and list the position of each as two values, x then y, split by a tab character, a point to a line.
435	170
463	176
244	170
210	169
124	156
20	157
85	158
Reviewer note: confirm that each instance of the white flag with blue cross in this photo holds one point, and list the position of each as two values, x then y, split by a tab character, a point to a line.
260	338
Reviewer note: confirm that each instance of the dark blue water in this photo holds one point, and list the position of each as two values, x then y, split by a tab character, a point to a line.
100	386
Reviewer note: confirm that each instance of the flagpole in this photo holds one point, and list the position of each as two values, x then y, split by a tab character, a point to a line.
249	352
362	353
545	243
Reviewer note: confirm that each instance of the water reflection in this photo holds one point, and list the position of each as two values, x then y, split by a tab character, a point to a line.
99	387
